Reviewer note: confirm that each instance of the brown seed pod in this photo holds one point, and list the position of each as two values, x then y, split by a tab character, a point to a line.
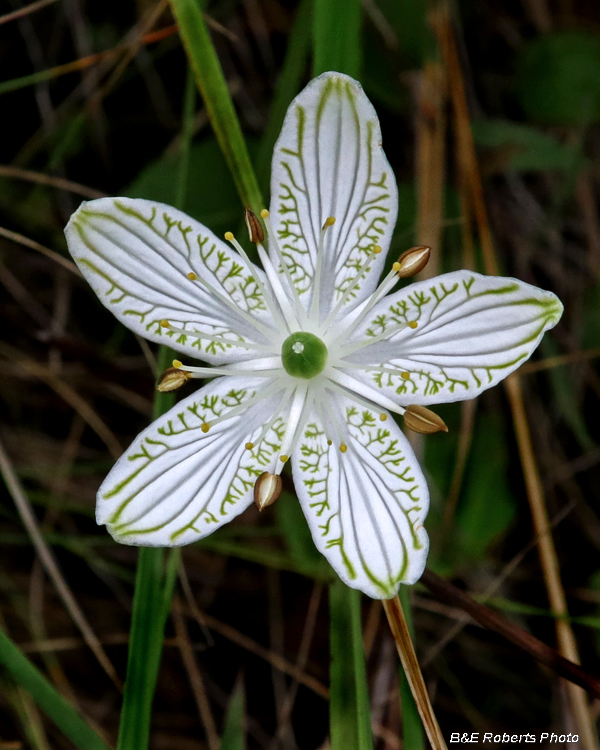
172	379
255	230
267	489
422	420
413	261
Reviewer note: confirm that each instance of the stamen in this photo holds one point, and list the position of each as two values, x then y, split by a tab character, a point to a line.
215	337
192	276
354	389
343	448
267	298
383	417
315	303
265	330
350	288
249	446
268	367
295	424
282	405
273	242
362	311
324	402
288	311
347	349
261	396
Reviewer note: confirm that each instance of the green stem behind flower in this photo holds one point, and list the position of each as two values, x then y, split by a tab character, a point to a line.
349	710
213	87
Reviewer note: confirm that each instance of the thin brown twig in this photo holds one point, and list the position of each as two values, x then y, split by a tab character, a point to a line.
234	635
33	245
410	664
194	676
47	557
47	179
560	359
66	392
525	641
31	8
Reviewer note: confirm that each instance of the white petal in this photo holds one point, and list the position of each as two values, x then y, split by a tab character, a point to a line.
327	162
176	484
136	255
365	507
472	332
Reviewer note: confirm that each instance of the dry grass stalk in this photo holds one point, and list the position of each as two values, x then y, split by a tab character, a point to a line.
195	677
471	176
50	565
406	651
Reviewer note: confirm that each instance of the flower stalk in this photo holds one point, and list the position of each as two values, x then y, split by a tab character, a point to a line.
408	657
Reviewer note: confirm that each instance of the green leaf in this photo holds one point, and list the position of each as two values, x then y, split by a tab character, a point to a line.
528	149
66	718
349	710
336	37
233	733
487	506
558	79
211	201
213	87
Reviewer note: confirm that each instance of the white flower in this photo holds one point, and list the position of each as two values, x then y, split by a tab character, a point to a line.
313	355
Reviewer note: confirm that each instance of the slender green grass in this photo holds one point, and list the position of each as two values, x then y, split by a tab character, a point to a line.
349	710
336	37
233	732
66	718
213	87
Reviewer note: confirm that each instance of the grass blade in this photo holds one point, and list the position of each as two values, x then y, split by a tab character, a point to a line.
213	87
47	697
349	710
336	37
233	733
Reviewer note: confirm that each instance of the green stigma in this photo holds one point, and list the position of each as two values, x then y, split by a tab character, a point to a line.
303	355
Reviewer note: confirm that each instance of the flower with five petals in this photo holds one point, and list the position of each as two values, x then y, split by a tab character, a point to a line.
310	355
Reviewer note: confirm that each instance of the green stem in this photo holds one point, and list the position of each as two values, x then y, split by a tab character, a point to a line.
213	87
46	696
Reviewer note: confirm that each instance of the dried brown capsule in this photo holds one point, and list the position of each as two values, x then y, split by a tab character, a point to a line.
420	419
172	379
267	489
255	230
413	261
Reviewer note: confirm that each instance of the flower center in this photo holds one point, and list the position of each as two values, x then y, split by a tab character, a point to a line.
303	355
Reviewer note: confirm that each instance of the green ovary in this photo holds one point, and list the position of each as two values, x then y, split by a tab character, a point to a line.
303	355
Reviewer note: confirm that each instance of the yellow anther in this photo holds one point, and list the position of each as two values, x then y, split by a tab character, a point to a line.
205	427
283	458
405	375
177	363
229	236
192	276
413	324
396	266
329	442
264	213
165	324
377	250
343	448
382	417
329	222
249	446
